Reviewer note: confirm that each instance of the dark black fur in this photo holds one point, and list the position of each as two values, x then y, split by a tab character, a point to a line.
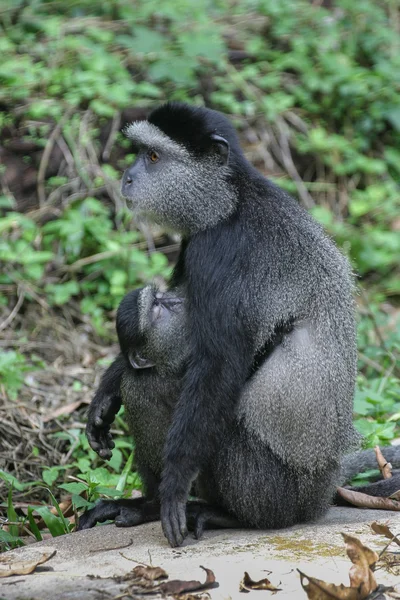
107	400
265	451
239	468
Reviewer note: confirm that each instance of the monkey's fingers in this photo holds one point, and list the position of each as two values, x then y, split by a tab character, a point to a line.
106	444
100	440
210	517
173	520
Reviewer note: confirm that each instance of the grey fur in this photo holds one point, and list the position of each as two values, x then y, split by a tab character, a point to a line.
258	274
234	478
194	207
294	416
149	397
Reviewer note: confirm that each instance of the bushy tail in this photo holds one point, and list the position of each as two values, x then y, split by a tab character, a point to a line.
364	460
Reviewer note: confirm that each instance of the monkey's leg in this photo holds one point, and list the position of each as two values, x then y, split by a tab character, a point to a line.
201	516
125	513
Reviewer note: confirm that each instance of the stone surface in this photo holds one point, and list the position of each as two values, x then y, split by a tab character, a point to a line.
316	549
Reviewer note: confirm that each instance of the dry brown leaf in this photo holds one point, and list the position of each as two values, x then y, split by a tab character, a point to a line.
65	506
390	561
365	501
384	466
316	589
247	584
395	496
149	573
9	565
363	559
202	596
177	586
384	530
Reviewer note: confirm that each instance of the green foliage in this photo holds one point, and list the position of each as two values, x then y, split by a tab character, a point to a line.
56	524
88	260
13	367
329	78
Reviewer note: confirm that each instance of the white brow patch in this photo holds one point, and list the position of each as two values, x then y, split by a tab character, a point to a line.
146	134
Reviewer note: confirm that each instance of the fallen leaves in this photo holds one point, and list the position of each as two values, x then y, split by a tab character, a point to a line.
384	466
382	529
363	559
247	584
176	586
149	573
10	565
362	579
147	580
316	589
364	501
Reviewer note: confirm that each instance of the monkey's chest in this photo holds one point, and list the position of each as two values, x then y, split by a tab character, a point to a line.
148	406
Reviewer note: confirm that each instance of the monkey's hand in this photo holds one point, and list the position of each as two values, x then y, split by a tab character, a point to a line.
125	513
174	496
173	521
102	413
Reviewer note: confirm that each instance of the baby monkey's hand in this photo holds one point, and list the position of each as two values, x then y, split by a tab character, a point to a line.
102	411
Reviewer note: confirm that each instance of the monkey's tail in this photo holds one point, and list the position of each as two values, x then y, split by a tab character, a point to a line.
364	460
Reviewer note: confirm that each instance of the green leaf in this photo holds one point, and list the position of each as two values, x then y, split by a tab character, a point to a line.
53	523
393	116
50	475
12	515
63	520
102	109
146	41
80	502
124	475
32	523
74	488
115	461
13	481
10	541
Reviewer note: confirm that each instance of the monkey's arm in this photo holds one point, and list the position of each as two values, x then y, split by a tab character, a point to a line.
221	354
103	408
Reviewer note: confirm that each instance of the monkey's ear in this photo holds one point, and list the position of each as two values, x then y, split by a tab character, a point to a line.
138	362
222	147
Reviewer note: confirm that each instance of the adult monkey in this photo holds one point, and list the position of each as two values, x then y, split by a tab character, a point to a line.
151	330
252	262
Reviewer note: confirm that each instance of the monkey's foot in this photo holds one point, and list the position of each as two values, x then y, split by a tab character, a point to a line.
124	513
201	516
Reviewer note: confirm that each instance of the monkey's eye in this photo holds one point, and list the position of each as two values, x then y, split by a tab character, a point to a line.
153	156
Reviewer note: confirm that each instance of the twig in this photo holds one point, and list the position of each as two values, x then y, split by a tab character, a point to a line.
371	363
14	311
382	342
46	155
289	164
115	125
94	550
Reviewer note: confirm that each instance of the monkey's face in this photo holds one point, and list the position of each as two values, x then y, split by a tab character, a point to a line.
152	330
171	186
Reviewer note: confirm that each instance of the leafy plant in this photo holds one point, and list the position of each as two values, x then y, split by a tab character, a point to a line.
315	91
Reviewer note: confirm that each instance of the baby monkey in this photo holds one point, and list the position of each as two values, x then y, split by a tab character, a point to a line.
146	374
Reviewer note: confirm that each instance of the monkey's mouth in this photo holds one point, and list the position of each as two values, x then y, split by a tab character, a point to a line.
130	203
